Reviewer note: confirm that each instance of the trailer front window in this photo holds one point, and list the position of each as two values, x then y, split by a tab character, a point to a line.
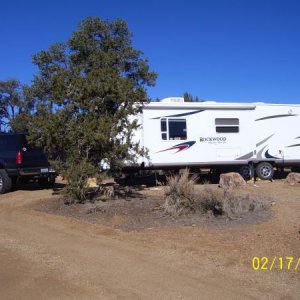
177	129
163	128
163	125
173	129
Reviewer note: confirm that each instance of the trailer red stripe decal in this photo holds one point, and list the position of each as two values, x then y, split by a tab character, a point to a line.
180	147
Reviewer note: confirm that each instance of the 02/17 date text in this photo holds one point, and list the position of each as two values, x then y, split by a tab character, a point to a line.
280	263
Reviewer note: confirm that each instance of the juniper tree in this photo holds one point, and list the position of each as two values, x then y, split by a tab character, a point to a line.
15	105
84	92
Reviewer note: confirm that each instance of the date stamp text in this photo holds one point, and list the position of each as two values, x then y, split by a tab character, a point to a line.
277	262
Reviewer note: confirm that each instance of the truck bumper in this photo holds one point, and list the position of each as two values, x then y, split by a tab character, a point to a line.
32	172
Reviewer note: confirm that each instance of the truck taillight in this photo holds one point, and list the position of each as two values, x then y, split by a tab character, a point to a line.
19	158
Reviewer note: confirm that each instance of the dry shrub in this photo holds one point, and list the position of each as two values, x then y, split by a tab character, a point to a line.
235	206
180	197
230	204
179	193
209	200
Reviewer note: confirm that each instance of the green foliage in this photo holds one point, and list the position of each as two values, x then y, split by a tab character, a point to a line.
190	98
15	106
77	175
84	92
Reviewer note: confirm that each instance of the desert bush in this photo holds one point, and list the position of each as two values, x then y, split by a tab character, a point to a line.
179	193
209	200
180	197
234	206
230	204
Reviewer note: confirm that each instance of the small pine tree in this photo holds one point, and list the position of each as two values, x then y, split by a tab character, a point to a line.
84	92
189	98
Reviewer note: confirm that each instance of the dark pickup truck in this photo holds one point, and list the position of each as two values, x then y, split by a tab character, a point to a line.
21	162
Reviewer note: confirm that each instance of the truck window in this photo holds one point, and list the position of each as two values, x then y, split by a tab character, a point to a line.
227	125
173	129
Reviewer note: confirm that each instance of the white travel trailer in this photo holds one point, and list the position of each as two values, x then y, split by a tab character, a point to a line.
244	136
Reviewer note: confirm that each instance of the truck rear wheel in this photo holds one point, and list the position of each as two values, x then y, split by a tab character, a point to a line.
5	182
265	171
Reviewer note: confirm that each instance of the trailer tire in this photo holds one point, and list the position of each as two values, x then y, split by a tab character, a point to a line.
265	171
246	172
5	182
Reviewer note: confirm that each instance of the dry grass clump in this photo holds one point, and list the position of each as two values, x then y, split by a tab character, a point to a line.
209	200
180	197
236	206
179	194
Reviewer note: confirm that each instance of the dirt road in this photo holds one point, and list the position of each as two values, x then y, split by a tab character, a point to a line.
43	256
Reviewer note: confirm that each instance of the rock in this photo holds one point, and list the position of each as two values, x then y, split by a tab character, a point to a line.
293	178
92	182
231	180
108	191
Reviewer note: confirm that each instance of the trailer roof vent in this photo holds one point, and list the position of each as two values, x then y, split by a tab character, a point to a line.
172	100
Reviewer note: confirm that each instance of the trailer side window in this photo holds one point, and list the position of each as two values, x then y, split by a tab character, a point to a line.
177	129
227	125
163	128
173	129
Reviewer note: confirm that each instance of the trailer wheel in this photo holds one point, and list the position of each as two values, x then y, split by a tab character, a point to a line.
246	172
265	171
5	182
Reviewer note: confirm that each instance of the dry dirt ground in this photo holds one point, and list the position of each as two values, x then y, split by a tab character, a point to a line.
127	248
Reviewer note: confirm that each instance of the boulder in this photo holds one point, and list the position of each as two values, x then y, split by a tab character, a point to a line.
293	178
108	191
92	183
231	180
